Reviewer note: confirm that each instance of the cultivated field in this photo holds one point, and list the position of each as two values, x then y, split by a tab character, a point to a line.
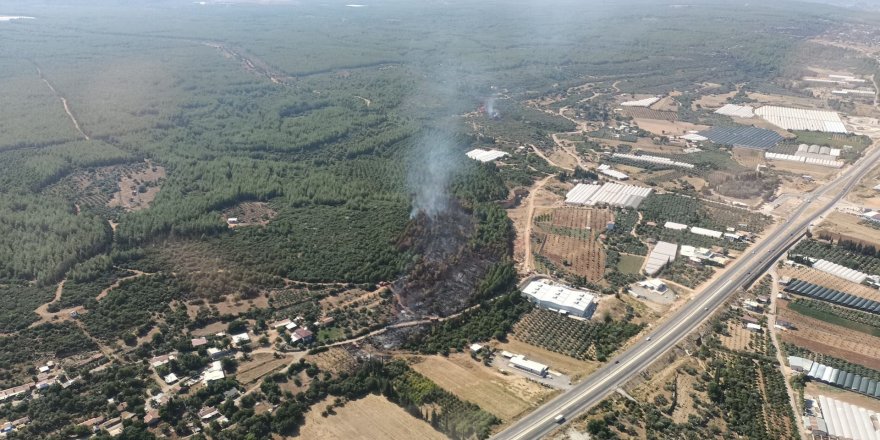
335	360
827	280
568	237
822	337
739	338
372	417
641	113
261	365
505	396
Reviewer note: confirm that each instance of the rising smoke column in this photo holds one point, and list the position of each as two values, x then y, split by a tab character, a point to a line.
431	170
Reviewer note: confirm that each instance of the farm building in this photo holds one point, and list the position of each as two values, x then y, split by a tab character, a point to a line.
170	378
662	254
302	334
612	194
476	348
800	364
840	271
830	163
693	137
753	327
656	160
801	119
705	232
846	421
240	339
739	111
873	216
654	285
640	103
519	361
832	296
214	372
485	155
606	170
747	137
675	226
198	342
158	361
562	299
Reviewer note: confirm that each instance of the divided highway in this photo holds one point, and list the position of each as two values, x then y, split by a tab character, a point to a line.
637	358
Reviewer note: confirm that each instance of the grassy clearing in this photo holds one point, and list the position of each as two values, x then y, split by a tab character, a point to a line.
630	263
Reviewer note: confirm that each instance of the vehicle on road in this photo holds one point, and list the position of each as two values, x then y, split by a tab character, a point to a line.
559	418
649	338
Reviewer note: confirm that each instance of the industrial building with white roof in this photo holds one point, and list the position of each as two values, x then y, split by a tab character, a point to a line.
546	295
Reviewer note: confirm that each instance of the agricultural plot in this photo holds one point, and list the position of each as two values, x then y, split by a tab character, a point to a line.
582	340
824	279
718	391
661	208
830	339
648	113
506	397
839	254
569	239
358	419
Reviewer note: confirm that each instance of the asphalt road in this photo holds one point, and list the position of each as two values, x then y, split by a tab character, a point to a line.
645	352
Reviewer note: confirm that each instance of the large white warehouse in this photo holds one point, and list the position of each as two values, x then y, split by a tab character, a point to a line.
560	298
662	254
611	194
802	119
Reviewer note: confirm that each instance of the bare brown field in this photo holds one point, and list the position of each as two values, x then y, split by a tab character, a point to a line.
786	101
815	276
563	159
748	157
648	391
360	419
210	329
799	169
667	103
864	193
138	188
569	238
822	337
506	397
262	364
840	225
739	337
335	360
668	128
818	388
713	101
558	362
642	113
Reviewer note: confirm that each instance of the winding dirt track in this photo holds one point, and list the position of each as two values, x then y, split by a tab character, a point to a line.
64	103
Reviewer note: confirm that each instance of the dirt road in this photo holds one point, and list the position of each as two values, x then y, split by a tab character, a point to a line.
771	327
528	258
64	103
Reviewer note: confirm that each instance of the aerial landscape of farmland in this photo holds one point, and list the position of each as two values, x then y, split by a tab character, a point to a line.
247	219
